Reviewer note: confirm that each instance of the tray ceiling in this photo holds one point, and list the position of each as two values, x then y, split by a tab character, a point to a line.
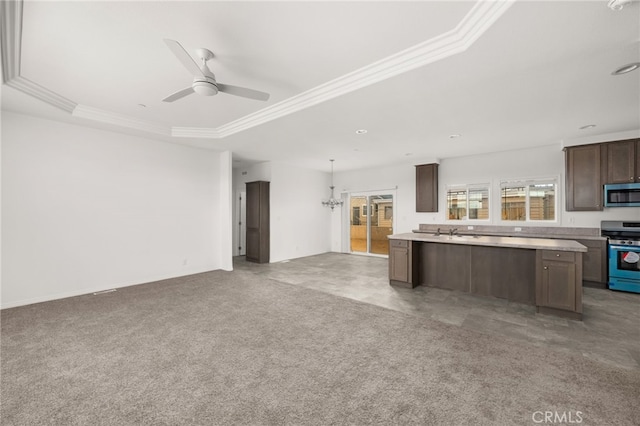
503	75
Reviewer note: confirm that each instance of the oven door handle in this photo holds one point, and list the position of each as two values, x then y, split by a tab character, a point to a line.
625	248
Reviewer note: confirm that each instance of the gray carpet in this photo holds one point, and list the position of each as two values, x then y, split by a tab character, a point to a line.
229	348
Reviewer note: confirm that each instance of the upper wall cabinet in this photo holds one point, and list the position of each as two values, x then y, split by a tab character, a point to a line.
589	167
427	188
584	170
623	161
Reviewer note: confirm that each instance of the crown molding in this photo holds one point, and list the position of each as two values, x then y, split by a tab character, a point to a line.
195	132
10	38
96	114
473	25
480	18
11	50
40	92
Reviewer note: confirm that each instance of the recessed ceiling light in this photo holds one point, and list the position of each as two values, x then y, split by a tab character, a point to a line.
453	136
361	131
588	126
626	68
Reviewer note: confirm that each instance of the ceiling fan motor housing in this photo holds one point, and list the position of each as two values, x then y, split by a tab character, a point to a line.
205	87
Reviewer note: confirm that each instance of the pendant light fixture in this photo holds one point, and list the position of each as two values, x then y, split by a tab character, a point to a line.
332	202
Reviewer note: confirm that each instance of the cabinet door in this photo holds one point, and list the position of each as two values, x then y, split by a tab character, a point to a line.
584	178
638	160
257	222
621	159
559	285
253	244
427	188
253	206
594	261
399	264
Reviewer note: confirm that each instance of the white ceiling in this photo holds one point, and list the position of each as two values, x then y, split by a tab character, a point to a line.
503	75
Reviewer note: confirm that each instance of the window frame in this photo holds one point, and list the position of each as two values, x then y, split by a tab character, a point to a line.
527	183
466	188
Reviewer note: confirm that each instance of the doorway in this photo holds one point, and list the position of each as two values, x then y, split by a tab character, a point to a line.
371	221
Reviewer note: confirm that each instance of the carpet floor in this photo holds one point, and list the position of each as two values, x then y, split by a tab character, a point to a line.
224	348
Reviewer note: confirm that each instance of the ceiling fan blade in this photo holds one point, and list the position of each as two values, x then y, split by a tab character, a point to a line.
179	94
184	57
242	91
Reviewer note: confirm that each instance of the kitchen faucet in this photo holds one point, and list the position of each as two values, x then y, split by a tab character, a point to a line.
453	232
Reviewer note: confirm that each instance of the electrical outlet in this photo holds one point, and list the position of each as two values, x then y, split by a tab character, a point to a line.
518	229
470	227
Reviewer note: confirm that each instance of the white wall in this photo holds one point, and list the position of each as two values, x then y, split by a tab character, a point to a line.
300	224
547	161
224	222
86	210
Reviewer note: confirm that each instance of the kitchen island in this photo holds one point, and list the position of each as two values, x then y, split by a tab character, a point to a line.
543	272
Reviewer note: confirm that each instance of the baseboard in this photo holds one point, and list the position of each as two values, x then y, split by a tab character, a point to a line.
593	284
84	291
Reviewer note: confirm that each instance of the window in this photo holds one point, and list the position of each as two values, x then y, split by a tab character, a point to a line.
388	212
470	202
528	201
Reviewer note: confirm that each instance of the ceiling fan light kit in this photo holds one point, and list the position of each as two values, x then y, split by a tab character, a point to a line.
204	87
204	81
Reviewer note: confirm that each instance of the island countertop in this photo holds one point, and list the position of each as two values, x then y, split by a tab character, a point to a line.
494	241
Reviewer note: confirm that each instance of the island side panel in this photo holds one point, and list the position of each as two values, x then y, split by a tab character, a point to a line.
505	273
445	266
487	279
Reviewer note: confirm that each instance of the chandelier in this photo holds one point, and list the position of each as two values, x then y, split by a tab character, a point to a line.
332	202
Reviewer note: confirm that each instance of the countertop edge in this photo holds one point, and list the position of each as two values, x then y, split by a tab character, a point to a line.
525	235
530	243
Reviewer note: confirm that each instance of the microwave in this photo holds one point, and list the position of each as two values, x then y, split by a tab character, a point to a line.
622	195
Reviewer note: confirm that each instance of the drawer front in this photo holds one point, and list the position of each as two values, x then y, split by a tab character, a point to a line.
399	243
562	256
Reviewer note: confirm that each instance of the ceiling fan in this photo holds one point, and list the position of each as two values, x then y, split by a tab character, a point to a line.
204	82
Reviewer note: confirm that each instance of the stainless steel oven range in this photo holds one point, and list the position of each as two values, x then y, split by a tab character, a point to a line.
624	254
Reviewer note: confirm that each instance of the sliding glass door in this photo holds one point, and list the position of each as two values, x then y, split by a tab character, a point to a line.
371	221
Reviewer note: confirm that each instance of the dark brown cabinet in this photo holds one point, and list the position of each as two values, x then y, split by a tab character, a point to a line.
401	263
594	262
258	222
638	160
623	161
589	167
584	168
427	188
559	282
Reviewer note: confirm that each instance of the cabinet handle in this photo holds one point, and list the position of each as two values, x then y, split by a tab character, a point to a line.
557	254
546	267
